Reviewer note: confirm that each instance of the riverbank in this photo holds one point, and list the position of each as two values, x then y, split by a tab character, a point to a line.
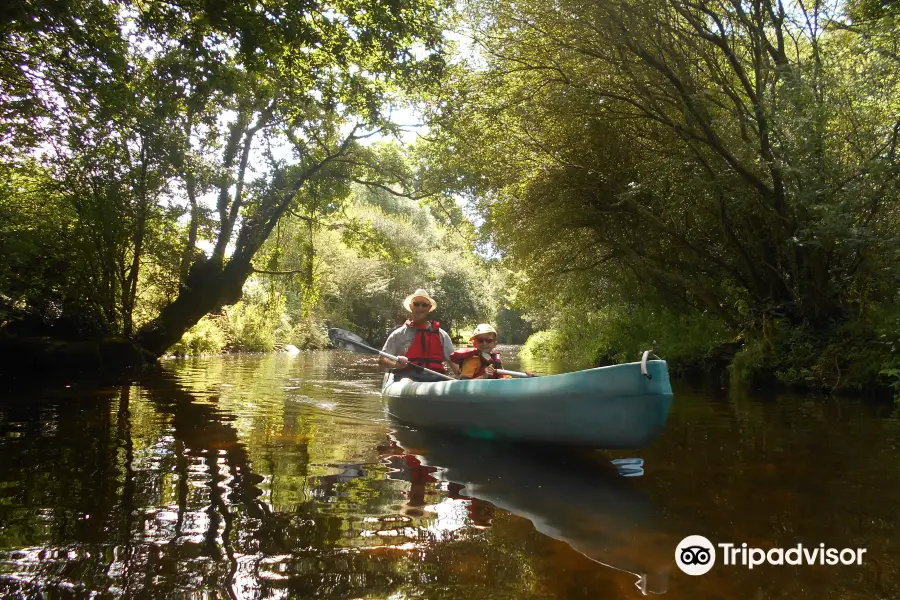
23	358
793	359
857	358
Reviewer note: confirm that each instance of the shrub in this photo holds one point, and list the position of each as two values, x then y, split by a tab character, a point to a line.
206	337
619	334
858	356
309	334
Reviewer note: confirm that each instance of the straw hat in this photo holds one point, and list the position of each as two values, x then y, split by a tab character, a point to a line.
482	329
419	293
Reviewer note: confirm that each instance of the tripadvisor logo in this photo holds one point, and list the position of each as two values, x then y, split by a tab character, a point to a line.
696	555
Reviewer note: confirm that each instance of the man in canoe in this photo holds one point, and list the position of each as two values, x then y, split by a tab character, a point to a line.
419	341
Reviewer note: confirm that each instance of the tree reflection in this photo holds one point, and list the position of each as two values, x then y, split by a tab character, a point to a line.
176	489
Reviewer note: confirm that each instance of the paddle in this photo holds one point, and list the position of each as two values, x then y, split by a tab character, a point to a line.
505	372
512	373
350	341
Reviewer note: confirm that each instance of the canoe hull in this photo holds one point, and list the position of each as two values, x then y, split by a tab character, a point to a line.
608	407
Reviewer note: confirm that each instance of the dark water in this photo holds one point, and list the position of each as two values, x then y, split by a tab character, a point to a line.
276	477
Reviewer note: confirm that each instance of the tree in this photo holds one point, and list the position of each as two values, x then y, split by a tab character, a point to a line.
719	156
135	98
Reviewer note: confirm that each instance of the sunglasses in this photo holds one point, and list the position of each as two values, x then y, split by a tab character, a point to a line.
421	304
485	340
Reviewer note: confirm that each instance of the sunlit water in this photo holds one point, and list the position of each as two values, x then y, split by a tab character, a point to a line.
281	477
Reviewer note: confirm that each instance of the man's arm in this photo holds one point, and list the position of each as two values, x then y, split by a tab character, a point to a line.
453	367
447	343
391	364
391	346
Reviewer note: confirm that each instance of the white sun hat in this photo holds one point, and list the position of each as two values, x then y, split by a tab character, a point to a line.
419	293
482	329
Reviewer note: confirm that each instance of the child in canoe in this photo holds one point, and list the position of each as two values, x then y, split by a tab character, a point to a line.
480	362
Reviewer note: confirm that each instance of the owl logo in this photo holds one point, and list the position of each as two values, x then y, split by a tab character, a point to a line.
695	555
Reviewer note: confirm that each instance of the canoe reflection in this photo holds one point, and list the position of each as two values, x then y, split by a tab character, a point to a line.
573	496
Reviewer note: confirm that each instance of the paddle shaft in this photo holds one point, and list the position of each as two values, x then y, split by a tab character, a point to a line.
355	341
417	367
500	371
512	373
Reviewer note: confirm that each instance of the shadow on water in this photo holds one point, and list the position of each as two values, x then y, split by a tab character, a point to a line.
572	496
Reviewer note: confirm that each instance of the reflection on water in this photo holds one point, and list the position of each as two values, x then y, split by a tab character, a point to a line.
280	477
574	496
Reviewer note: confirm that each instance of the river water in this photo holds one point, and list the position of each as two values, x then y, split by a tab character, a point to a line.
281	477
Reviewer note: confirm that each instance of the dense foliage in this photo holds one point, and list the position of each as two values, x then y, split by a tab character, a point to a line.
135	132
671	162
715	179
353	270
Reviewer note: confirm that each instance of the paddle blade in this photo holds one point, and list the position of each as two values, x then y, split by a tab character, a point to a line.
341	338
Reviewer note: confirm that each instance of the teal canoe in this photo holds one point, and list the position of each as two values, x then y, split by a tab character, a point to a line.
617	407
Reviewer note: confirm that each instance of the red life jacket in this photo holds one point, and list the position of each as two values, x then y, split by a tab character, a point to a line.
460	356
426	349
419	473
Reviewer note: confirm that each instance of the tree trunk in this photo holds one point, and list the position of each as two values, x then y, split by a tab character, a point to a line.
190	248
208	287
